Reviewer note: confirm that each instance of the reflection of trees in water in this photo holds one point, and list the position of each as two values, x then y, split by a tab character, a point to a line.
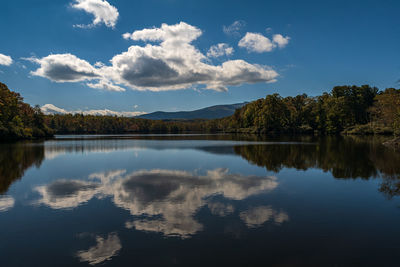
390	187
344	157
15	160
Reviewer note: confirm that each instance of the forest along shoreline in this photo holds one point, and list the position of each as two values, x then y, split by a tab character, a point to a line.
348	110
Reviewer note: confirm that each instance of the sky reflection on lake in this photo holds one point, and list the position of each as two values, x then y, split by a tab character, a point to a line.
199	200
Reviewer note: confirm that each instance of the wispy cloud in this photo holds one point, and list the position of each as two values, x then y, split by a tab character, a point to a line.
235	28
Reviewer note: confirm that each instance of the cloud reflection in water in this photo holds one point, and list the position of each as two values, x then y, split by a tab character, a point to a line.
104	249
256	216
168	198
6	203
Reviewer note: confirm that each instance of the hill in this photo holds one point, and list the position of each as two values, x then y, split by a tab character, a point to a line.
213	112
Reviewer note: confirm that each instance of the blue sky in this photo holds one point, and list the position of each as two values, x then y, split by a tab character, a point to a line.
325	43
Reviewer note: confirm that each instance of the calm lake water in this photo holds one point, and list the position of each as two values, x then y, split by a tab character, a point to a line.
199	200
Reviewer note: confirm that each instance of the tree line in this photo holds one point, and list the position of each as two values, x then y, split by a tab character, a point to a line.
347	109
19	120
352	109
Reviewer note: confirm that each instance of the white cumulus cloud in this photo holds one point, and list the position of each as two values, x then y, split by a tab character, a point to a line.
280	40
64	68
102	11
52	109
172	63
177	64
5	60
256	42
220	50
182	33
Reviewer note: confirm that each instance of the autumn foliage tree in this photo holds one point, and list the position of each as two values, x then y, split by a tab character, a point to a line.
19	120
348	108
386	109
330	112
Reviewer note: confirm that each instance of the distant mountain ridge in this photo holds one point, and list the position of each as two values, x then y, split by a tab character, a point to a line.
213	112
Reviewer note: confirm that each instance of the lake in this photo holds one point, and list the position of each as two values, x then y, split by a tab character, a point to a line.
189	200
